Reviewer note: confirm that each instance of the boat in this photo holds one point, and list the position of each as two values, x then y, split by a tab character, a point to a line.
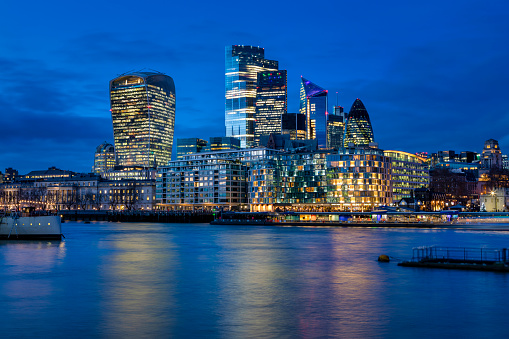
39	227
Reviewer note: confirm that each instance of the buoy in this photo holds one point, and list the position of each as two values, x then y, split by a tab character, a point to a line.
384	258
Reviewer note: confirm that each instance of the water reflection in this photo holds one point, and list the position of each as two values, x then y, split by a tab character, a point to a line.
201	281
138	284
29	265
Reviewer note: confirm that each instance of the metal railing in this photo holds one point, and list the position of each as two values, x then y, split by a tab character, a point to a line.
460	254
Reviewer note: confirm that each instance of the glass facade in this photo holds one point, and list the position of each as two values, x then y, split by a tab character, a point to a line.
358	130
242	64
294	124
303	100
316	112
409	171
359	179
223	143
271	103
335	129
189	146
143	114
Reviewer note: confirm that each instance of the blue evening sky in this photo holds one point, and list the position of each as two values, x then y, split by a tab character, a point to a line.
433	75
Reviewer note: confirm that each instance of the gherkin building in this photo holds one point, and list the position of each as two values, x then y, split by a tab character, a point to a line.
358	128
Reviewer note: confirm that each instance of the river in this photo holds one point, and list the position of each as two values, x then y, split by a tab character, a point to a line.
136	280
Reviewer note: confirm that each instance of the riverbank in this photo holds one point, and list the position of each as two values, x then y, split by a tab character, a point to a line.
137	216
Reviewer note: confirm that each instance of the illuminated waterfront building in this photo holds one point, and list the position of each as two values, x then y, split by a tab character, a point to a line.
491	155
295	181
79	191
50	173
143	113
409	172
223	143
294	124
315	103
271	103
104	158
358	130
242	64
120	173
208	180
359	179
189	146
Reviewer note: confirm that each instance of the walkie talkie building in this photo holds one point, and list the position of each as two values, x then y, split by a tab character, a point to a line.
143	113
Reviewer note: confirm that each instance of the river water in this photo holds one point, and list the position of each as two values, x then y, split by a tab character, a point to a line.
136	280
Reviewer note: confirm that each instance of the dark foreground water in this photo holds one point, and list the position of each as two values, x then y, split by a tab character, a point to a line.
114	280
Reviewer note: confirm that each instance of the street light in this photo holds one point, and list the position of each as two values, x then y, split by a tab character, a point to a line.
495	195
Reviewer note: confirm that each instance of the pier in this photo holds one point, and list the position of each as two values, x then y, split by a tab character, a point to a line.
363	219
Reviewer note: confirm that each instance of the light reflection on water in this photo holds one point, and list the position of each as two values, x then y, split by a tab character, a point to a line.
135	280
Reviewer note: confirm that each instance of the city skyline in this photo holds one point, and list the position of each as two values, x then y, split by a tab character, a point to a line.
431	81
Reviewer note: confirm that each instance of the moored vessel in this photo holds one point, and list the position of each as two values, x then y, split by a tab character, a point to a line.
16	227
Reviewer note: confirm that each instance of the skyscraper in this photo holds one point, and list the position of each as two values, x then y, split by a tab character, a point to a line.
315	103
271	103
242	64
358	128
335	129
316	111
294	124
143	113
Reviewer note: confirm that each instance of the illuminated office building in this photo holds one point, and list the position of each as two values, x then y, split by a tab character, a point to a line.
294	124
336	128
223	143
242	65
359	179
409	171
104	159
315	103
190	146
358	130
271	103
143	113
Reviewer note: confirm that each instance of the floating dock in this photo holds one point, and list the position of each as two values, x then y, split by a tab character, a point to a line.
462	258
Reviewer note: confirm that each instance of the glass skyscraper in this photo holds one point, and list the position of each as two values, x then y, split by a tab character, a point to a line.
242	64
358	128
315	103
143	113
271	103
294	124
